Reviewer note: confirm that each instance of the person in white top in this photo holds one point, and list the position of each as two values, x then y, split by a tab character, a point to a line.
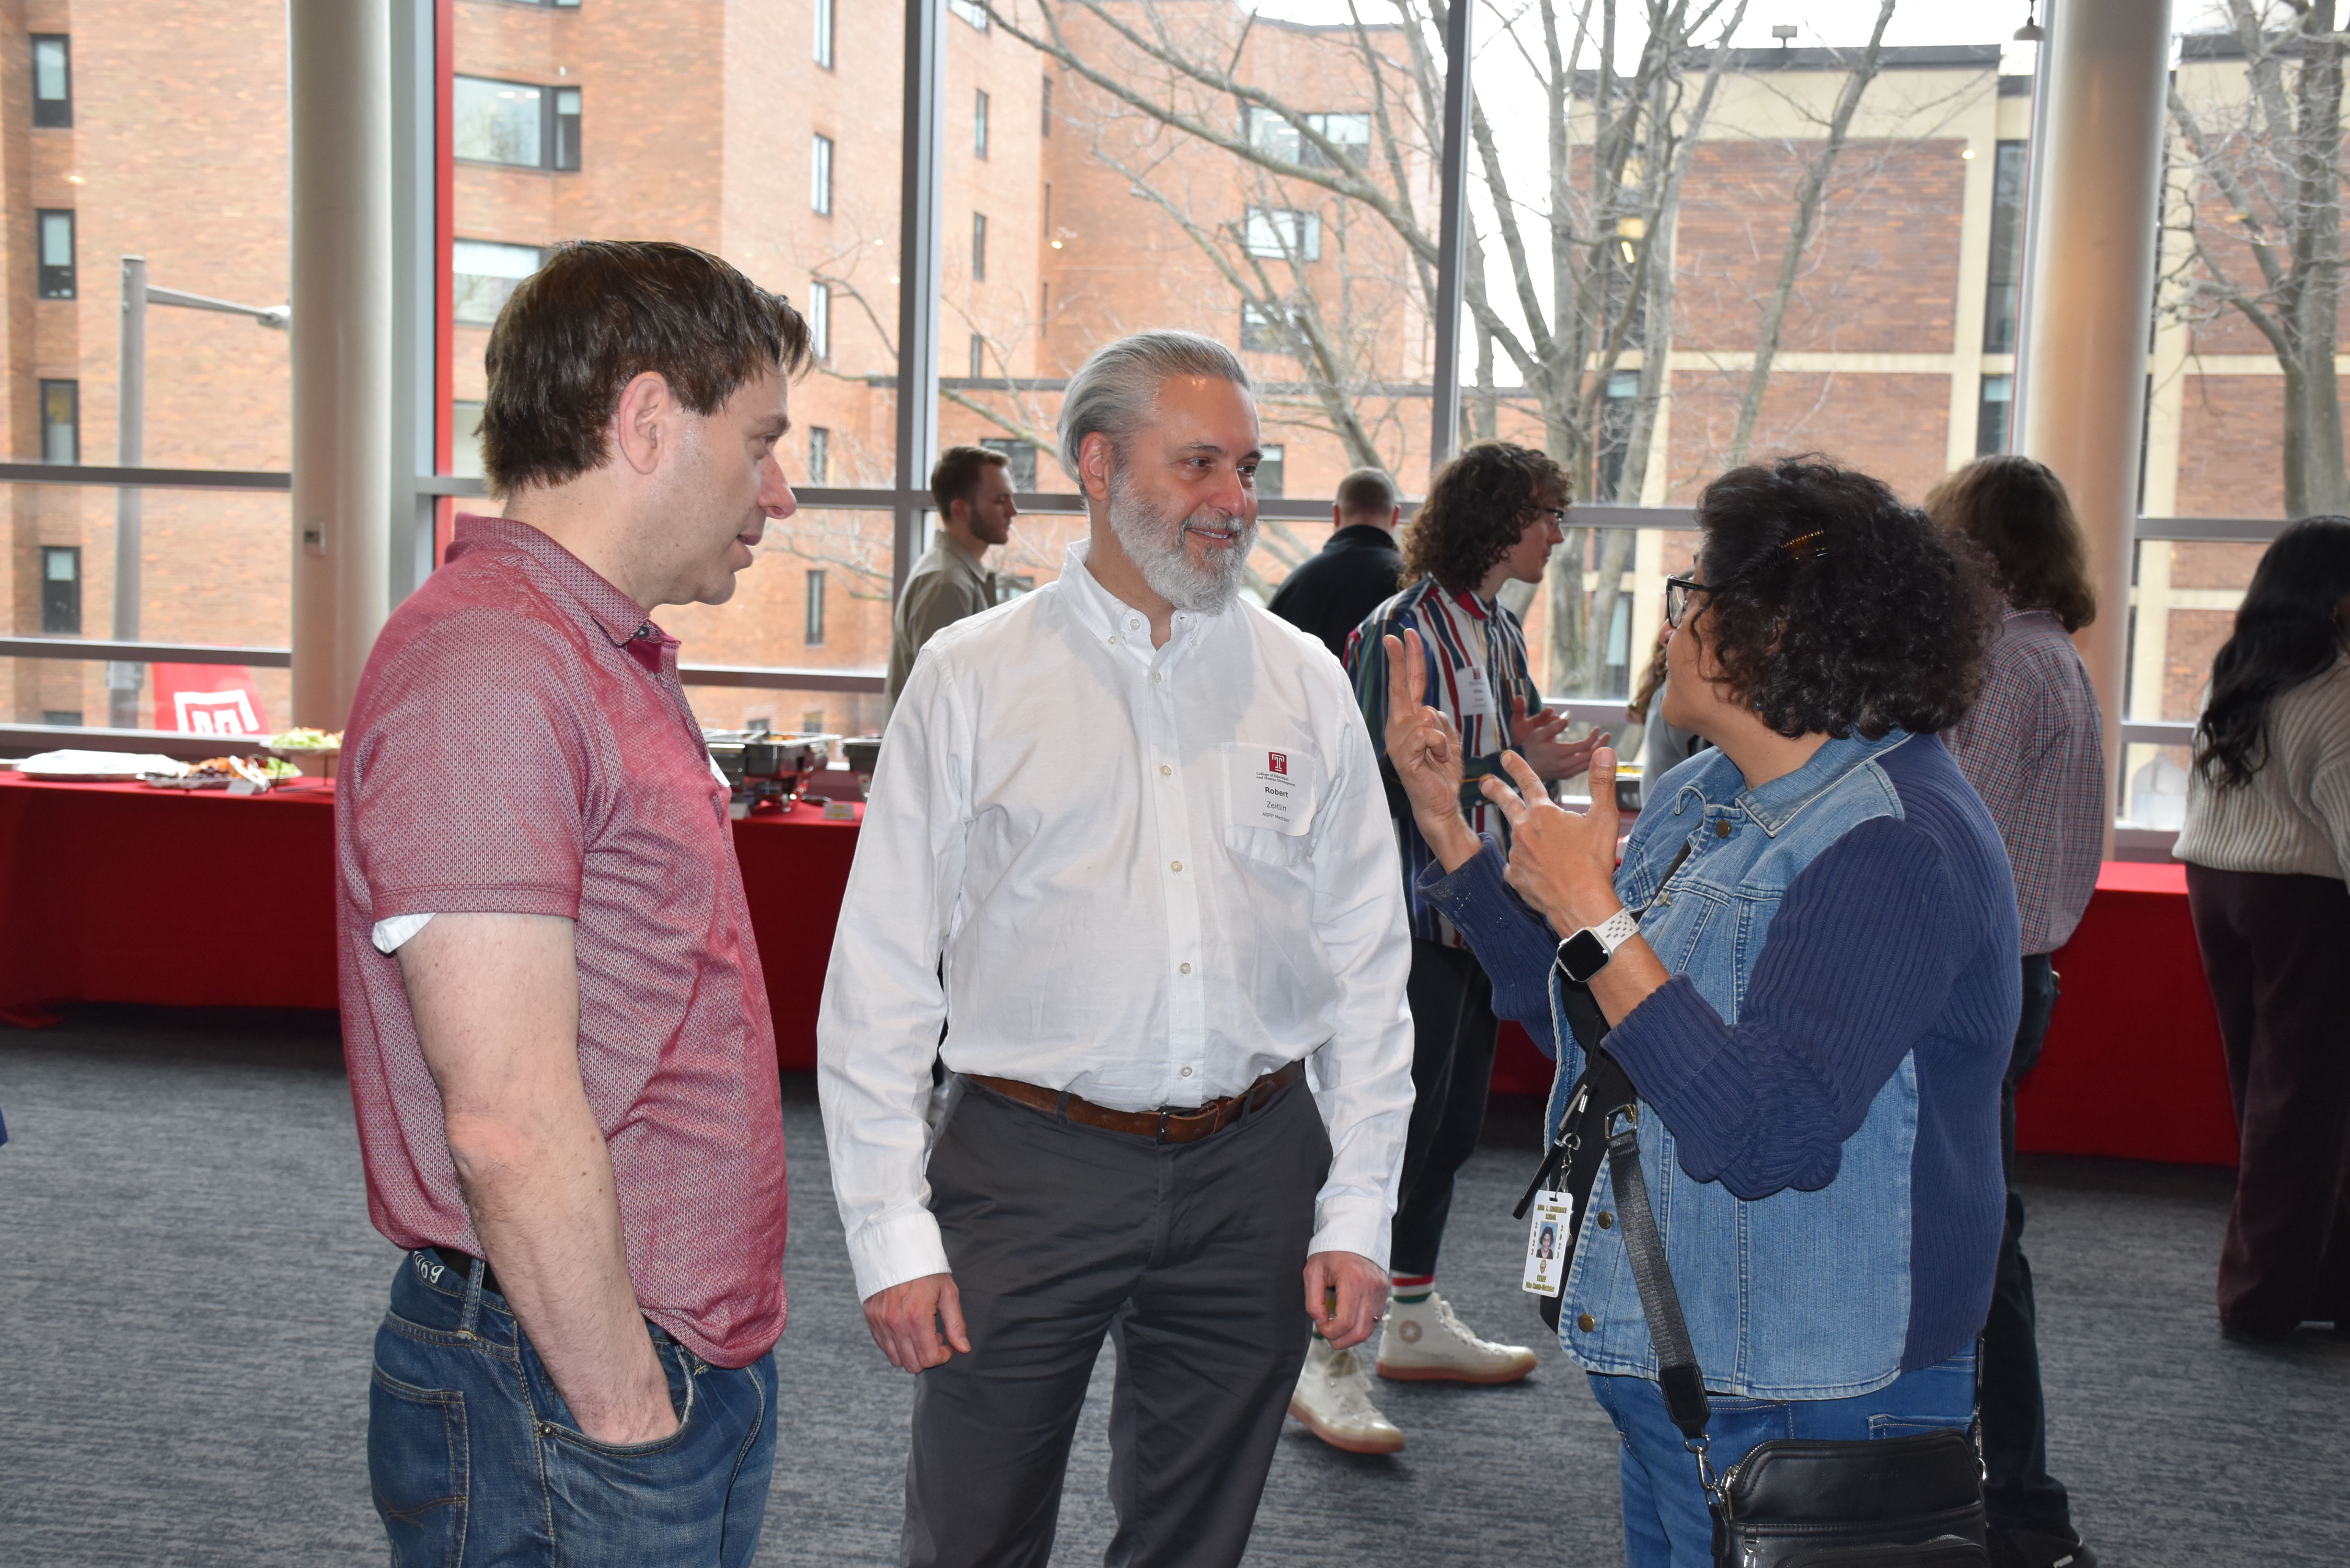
1127	844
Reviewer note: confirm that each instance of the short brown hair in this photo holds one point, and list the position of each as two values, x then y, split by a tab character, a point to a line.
1476	509
600	313
1366	490
956	478
2017	509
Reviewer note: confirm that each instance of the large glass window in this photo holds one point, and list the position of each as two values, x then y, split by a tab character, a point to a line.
61	590
60	422
501	122
2003	278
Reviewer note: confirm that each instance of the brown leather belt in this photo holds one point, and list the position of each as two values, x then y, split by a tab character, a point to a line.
1160	1127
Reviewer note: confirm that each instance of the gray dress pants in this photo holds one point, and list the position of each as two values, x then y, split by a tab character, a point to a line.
1187	1257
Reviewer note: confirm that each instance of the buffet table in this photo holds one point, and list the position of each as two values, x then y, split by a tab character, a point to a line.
116	892
121	893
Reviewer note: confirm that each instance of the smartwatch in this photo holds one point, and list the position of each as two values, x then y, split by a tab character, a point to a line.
1583	955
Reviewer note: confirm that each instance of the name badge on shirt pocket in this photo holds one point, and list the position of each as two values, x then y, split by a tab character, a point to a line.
1476	692
1272	786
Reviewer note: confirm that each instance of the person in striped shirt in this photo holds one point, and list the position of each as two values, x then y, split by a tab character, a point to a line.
1493	516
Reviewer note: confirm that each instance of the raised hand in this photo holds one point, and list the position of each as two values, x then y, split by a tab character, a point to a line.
1538	741
1562	861
1424	750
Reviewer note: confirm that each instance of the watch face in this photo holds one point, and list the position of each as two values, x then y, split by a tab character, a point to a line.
1581	956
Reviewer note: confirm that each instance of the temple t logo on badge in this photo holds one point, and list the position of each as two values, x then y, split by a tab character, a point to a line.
1277	762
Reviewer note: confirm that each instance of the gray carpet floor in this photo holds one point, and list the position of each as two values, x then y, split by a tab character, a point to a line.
189	1285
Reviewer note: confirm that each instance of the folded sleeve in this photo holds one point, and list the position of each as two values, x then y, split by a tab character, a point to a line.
1858	965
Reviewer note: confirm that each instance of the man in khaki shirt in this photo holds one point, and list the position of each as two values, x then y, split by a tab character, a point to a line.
973	489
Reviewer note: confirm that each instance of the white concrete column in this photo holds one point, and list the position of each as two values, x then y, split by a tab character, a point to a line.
339	55
2082	369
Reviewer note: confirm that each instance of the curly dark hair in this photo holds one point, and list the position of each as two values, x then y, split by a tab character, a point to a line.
2288	630
1476	509
2017	509
1837	608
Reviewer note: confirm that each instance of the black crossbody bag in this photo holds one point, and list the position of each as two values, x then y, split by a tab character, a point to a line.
1895	1502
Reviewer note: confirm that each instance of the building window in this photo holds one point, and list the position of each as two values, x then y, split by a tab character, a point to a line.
483	276
1048	106
55	272
824	34
1276	137
979	247
819	320
2004	283
465	438
1262	331
819	455
978	356
814	630
566	129
1268	471
820	174
516	123
61	590
62	718
60	422
1285	232
1617	412
978	126
1991	414
971	11
1019	460
52	80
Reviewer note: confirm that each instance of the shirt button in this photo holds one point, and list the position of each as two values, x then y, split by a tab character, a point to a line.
1156	677
1586	1323
1606	1220
1721	829
1164	771
1113	642
1187	1072
1187	969
1175	865
1134	625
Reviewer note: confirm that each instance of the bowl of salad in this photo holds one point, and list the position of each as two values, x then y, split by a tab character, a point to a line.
312	751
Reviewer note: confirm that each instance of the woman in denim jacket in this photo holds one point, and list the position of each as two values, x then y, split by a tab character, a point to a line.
1819	1001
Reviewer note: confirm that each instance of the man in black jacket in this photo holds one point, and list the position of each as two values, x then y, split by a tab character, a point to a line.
1358	570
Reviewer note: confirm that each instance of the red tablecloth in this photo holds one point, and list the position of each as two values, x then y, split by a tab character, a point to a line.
120	893
2132	1067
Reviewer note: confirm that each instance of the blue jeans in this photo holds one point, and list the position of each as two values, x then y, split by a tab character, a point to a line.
1666	1524
475	1459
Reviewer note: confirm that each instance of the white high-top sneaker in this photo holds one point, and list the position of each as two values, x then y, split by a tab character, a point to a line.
1425	1341
1334	1400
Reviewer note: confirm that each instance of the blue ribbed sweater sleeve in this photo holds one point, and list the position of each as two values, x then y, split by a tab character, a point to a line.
1513	943
1858	968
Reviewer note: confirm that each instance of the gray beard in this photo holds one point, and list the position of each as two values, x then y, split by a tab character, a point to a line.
1154	543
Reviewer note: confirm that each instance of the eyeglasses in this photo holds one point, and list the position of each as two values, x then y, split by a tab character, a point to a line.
1677	598
1558	514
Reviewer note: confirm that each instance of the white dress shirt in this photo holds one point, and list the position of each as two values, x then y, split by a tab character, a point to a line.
1155	875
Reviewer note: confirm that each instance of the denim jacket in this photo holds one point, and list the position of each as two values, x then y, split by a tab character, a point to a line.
1798	1295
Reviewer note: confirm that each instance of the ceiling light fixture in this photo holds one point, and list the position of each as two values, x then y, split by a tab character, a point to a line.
2030	33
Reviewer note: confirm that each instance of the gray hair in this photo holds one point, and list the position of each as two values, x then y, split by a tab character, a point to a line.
1112	392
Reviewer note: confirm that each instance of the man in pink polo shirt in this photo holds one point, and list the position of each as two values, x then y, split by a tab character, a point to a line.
557	1033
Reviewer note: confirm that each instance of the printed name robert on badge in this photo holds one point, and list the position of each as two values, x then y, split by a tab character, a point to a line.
1548	1237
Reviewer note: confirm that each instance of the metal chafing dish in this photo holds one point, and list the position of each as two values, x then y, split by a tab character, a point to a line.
764	766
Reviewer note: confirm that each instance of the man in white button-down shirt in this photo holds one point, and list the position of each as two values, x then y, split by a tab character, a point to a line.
1140	822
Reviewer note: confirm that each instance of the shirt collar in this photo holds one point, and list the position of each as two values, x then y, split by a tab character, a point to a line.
1773	805
1109	617
621	618
956	553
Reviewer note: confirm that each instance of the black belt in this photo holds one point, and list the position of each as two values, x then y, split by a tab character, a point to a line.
462	1263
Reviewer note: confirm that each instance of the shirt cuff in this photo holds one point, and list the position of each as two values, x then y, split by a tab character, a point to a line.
1459	893
888	1252
1352	1223
389	936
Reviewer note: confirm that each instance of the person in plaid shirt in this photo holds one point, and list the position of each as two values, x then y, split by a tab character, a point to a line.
2034	748
1493	516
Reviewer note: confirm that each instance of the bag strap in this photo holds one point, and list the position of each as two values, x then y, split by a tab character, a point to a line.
1677	1374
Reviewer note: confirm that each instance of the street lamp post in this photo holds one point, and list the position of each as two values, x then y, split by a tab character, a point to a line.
123	680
